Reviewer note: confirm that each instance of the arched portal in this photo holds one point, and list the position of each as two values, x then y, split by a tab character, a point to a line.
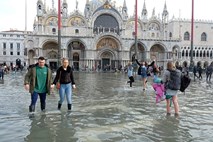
108	48
76	54
31	55
50	51
157	53
141	52
106	58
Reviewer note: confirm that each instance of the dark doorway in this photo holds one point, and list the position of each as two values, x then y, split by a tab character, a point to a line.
53	65
106	64
76	66
18	63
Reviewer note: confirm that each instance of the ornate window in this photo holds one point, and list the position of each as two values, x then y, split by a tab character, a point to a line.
186	36
203	37
106	23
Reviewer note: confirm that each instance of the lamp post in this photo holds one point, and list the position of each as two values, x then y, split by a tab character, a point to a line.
136	28
192	35
59	32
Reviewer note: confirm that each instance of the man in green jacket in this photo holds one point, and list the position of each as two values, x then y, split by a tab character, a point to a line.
38	81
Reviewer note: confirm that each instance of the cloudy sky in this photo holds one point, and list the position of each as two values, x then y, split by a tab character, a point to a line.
12	13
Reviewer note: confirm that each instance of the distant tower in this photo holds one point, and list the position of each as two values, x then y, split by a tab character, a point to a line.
40	8
124	11
87	10
144	11
165	14
153	12
165	18
65	8
40	13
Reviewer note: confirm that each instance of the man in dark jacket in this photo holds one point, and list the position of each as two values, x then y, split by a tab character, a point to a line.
38	81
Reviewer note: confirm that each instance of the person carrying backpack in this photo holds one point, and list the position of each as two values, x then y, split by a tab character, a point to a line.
172	81
185	79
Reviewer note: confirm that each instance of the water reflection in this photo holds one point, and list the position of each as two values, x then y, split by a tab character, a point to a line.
105	108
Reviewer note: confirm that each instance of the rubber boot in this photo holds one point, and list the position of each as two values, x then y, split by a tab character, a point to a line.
59	106
31	108
69	107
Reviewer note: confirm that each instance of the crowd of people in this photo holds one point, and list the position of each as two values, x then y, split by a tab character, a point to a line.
39	82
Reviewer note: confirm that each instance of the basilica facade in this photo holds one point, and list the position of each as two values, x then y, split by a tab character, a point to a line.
103	36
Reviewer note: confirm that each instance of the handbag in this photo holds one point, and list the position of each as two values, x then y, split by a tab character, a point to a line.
58	85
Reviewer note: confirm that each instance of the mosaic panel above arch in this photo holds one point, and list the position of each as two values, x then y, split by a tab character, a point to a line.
76	21
154	26
131	25
107	43
52	21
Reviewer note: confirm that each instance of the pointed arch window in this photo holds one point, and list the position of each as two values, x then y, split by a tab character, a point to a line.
207	54
201	53
186	36
170	34
183	53
197	54
39	7
203	37
204	53
187	53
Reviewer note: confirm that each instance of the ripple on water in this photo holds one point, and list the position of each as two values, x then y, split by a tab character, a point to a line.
106	109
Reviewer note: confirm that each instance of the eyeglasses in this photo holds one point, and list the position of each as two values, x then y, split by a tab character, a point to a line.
41	62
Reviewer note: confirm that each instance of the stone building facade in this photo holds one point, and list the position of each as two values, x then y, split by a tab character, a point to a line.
12	48
103	35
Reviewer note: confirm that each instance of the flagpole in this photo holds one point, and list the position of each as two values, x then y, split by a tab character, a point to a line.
136	28
59	32
192	34
25	16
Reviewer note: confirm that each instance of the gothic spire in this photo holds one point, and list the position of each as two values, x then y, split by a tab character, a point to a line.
124	4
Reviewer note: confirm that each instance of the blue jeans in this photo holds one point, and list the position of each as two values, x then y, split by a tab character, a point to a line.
34	97
65	89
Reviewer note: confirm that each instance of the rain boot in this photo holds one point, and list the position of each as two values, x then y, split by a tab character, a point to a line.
31	108
59	106
69	107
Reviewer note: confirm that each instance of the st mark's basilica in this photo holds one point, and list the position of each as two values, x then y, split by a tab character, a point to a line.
103	35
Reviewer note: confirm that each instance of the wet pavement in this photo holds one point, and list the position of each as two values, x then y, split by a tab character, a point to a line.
105	109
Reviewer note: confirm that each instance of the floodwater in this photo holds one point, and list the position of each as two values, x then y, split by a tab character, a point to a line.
105	109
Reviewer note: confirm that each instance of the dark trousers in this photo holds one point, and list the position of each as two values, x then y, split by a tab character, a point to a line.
131	79
195	75
34	97
2	74
208	77
200	75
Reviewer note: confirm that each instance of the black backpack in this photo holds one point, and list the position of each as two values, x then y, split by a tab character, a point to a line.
185	81
174	81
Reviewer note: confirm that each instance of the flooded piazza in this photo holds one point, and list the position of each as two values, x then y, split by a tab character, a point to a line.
105	109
